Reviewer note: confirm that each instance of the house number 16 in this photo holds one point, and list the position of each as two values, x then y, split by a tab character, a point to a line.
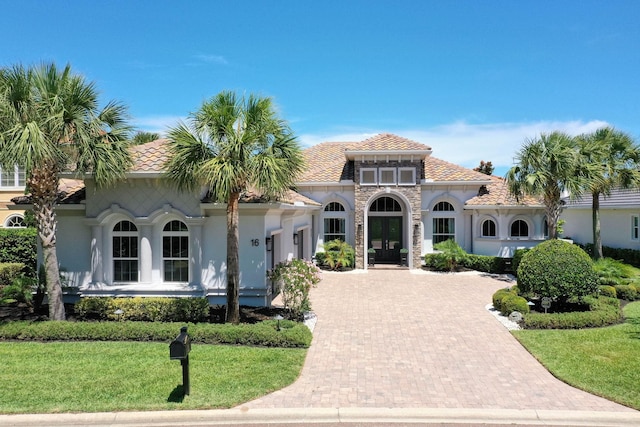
255	242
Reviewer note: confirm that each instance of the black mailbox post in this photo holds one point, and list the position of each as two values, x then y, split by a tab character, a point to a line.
179	350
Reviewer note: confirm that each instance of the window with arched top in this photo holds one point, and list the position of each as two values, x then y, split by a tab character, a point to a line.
488	228
519	228
175	251
15	221
125	252
545	228
335	222
443	207
385	204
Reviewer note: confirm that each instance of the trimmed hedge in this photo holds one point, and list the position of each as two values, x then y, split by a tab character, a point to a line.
486	263
605	311
513	302
290	335
626	292
144	309
608	291
517	258
19	245
628	256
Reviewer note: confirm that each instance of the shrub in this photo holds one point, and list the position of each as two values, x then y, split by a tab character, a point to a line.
338	254
291	334
20	290
626	292
8	272
613	272
498	296
557	269
485	263
19	245
604	311
297	277
144	309
451	257
608	291
513	302
517	258
628	256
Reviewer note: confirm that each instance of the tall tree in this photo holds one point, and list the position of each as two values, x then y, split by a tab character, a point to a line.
229	145
615	163
50	122
547	167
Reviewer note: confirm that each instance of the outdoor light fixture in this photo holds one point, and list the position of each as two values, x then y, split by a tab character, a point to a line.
267	243
278	318
295	238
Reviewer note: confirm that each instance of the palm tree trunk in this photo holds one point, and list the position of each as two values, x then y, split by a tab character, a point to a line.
233	263
43	184
595	219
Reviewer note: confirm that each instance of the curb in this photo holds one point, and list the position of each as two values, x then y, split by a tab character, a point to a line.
306	416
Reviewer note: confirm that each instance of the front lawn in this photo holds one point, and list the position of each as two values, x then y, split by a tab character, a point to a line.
39	377
603	361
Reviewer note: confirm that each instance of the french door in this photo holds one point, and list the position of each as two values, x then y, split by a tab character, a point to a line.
385	236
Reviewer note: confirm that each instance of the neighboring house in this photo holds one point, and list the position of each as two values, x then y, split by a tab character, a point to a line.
144	238
619	219
12	184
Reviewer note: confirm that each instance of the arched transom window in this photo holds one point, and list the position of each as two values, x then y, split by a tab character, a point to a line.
385	204
519	228
488	228
175	251
125	252
15	221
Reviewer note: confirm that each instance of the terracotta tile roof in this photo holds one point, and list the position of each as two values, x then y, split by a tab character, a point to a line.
70	191
150	157
497	194
388	142
440	170
327	162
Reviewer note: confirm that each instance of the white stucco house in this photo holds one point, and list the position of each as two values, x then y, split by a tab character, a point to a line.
144	238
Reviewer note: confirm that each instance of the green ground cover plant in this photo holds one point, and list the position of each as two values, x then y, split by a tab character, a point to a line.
602	361
57	377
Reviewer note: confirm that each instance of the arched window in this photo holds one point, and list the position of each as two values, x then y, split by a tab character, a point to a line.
443	207
444	228
175	251
519	228
488	228
545	228
15	221
335	222
385	204
125	252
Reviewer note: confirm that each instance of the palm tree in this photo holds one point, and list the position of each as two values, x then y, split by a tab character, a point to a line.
615	161
547	167
229	145
50	122
142	137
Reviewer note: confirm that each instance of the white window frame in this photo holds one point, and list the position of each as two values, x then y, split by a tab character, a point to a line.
381	173
19	178
174	258
495	228
340	216
375	176
635	228
115	259
529	228
412	170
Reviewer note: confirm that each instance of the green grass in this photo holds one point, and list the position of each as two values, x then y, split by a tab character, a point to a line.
602	361
53	377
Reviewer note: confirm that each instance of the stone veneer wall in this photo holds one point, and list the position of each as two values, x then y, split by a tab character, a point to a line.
412	193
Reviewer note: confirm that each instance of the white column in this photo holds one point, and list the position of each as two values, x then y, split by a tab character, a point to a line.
97	271
146	254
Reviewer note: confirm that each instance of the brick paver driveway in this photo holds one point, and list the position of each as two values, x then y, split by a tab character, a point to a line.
416	339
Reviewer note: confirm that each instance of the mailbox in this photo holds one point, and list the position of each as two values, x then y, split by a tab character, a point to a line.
180	347
179	350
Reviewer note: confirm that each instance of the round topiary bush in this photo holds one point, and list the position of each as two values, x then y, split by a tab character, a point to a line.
498	296
513	302
608	291
557	269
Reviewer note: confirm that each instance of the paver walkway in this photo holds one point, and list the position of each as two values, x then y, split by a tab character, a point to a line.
407	339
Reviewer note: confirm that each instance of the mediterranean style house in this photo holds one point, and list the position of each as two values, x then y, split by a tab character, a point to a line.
386	193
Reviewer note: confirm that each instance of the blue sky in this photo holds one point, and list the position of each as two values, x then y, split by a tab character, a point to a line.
472	79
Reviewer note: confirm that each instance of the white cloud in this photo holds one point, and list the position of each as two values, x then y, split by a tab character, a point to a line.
212	59
466	144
